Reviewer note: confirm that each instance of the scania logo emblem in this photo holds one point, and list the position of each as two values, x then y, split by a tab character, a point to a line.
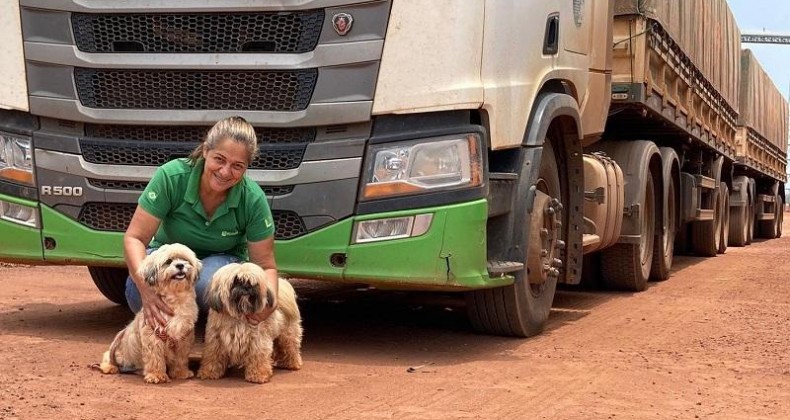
342	23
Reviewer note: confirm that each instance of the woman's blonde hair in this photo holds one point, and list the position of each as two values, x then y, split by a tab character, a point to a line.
235	128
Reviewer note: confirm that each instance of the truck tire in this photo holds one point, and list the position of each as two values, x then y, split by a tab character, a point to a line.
780	215
724	198
111	282
664	246
739	228
627	267
706	235
769	229
750	224
522	308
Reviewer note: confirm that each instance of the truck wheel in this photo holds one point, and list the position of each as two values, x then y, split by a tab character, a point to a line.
706	235
521	309
627	267
665	243
111	282
750	222
780	215
739	230
724	198
770	229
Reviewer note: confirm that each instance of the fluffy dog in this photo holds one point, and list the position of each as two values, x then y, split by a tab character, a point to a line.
239	290
162	353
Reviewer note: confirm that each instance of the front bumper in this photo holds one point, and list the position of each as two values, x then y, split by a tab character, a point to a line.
450	256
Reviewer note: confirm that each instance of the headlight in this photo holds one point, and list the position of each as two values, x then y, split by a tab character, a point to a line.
16	159
425	165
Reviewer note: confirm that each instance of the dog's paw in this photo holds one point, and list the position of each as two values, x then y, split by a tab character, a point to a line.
156	378
257	379
208	375
106	368
185	374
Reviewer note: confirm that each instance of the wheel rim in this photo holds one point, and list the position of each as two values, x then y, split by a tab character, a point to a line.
545	245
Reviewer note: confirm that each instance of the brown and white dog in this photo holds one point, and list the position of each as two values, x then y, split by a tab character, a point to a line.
162	353
237	291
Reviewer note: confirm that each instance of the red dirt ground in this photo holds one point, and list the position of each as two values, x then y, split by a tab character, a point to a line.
711	342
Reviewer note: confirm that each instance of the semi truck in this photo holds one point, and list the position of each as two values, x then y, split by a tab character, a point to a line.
493	148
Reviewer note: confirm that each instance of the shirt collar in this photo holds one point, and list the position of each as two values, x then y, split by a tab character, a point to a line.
193	187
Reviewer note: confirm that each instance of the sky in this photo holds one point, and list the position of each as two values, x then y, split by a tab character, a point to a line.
769	16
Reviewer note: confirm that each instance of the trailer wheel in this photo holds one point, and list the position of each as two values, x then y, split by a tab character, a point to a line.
706	235
627	267
724	198
771	229
522	308
750	223
739	230
111	282
780	215
665	242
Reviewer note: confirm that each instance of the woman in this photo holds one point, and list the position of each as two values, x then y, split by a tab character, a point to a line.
207	203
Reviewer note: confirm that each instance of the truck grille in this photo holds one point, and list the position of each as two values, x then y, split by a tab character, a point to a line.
196	89
191	134
296	32
109	152
115	217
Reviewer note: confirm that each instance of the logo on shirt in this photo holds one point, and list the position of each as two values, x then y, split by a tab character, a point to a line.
152	196
231	233
268	223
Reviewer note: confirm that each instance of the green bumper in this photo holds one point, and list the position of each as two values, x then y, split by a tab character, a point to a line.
68	242
19	243
451	255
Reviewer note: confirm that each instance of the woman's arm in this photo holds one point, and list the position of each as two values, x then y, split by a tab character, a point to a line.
262	254
139	233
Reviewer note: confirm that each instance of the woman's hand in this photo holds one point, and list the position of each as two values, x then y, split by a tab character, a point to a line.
155	311
259	317
262	254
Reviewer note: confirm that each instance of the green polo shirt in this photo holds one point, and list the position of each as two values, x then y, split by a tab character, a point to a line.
172	197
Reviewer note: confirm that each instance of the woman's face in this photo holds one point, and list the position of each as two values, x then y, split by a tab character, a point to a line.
225	165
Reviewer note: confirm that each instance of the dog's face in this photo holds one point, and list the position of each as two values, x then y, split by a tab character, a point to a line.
239	290
172	267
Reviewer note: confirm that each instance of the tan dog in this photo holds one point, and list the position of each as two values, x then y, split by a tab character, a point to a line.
163	354
239	290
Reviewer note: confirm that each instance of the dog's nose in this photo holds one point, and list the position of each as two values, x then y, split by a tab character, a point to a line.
180	266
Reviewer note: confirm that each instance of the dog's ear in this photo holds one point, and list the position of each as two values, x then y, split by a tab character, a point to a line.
269	297
214	301
150	272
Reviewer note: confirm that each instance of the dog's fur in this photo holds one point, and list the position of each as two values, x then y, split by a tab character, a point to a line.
172	271
239	290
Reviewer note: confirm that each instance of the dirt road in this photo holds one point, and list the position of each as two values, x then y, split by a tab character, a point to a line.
712	342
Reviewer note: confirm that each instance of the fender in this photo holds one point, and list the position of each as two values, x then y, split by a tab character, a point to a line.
635	158
551	107
671	170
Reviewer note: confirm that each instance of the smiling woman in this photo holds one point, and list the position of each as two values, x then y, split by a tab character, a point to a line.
207	203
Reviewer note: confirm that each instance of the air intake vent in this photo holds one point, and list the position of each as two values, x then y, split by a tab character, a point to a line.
296	32
195	90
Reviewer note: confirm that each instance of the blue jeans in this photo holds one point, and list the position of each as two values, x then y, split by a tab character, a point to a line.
211	264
